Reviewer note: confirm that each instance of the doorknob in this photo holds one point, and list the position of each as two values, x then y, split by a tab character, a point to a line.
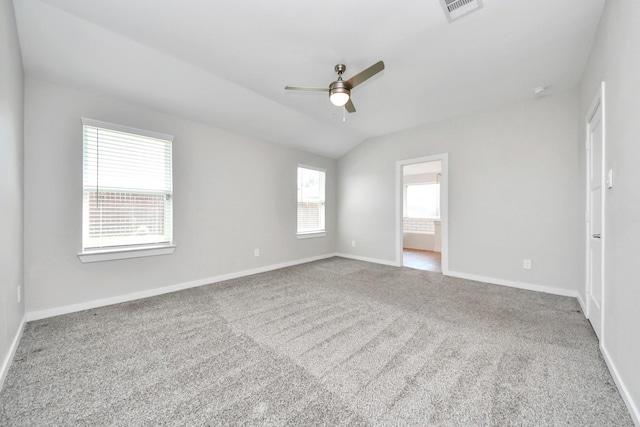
596	236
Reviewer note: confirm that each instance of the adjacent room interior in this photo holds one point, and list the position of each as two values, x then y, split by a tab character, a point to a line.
266	213
421	222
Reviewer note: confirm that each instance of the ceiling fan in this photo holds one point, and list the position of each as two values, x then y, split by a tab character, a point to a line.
340	90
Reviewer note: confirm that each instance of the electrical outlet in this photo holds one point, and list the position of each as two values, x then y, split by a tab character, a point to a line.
353	243
19	294
256	252
526	264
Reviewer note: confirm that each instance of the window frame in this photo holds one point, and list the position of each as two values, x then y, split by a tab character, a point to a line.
318	232
132	250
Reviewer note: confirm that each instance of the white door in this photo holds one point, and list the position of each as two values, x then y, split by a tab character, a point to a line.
595	227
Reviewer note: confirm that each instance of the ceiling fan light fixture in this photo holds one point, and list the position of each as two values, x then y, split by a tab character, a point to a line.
339	93
339	98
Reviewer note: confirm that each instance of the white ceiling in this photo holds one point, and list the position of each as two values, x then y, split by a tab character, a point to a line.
226	62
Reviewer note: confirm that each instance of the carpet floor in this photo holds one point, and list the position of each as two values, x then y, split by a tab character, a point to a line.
333	342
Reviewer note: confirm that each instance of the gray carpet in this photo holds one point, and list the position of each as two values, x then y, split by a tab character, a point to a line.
333	342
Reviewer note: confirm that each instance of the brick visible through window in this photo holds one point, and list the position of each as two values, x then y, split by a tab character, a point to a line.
125	214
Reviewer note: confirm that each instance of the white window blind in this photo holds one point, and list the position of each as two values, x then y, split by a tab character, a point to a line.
127	190
311	196
422	201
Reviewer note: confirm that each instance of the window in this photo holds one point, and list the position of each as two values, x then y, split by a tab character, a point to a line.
310	202
127	202
422	201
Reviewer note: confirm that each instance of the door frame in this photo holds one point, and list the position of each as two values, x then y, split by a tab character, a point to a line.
444	206
598	102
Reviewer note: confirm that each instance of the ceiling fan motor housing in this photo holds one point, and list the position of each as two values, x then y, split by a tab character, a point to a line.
339	86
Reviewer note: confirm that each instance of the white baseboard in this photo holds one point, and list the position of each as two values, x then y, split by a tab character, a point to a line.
491	280
367	259
622	388
57	311
583	306
514	284
6	363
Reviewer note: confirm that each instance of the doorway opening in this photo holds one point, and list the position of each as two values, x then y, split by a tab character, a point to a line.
422	213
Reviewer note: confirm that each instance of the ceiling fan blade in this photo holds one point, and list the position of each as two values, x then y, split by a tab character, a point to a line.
314	89
366	74
349	106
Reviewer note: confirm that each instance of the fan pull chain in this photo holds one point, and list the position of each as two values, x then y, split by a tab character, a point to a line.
344	114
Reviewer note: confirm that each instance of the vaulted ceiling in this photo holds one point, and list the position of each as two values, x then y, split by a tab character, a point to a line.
226	62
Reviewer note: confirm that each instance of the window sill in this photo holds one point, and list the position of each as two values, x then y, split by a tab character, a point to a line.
419	232
417	217
113	254
311	235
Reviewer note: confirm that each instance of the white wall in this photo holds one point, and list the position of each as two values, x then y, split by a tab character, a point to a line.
231	194
615	59
514	190
11	183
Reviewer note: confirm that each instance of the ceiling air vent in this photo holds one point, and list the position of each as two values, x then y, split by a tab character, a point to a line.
455	9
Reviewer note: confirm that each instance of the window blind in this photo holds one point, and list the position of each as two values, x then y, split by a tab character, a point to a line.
127	187
422	201
311	198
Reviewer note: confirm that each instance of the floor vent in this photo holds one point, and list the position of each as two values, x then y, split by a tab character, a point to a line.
455	9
